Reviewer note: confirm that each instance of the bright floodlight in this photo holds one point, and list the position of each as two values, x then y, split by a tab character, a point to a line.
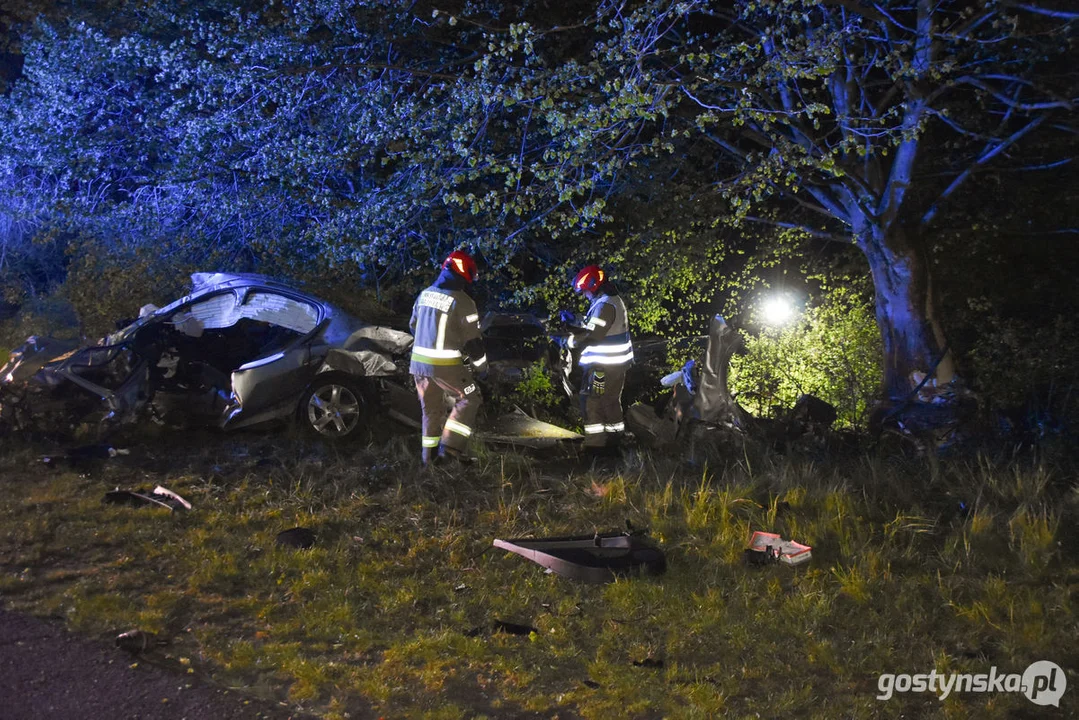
777	311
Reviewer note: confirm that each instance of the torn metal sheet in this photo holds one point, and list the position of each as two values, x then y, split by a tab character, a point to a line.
598	558
520	428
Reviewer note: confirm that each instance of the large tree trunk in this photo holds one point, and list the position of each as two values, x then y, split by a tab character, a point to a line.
907	313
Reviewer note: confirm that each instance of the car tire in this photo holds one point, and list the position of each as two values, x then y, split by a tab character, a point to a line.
336	406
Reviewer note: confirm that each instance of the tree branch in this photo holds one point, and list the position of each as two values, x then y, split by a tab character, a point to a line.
988	155
1063	14
831	237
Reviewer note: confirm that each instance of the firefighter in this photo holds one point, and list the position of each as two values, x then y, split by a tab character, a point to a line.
446	352
606	348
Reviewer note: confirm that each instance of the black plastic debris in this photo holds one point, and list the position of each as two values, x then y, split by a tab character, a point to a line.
297	537
502	626
513	628
595	558
653	663
159	497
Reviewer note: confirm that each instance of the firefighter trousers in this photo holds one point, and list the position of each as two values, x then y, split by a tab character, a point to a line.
452	432
601	404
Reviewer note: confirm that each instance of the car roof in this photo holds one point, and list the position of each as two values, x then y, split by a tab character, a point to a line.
202	282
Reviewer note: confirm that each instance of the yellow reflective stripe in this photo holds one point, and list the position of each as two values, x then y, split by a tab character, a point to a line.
593	429
616	427
435	352
481	362
459	428
429	441
472	318
428	360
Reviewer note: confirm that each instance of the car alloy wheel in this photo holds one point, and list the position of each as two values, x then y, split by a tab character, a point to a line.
334	410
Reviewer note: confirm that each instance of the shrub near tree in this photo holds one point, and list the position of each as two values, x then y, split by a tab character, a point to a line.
831	350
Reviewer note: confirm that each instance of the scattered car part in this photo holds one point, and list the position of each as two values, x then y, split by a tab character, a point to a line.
520	428
297	537
770	547
173	497
595	558
159	496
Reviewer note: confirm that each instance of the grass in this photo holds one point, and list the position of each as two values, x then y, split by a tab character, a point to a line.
955	566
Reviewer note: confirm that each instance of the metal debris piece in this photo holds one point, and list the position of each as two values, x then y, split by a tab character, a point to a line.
520	428
159	496
595	558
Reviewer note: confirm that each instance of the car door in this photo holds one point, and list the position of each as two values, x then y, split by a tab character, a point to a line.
269	386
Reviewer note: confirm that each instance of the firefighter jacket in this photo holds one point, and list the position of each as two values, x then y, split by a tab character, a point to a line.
603	336
446	328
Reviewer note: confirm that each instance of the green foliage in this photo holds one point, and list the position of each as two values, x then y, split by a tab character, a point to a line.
831	350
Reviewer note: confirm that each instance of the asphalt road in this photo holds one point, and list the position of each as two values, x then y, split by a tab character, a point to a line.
49	673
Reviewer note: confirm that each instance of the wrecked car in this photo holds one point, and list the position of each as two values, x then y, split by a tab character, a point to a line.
242	350
238	350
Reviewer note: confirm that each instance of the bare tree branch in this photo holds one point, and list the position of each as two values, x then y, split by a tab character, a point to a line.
988	155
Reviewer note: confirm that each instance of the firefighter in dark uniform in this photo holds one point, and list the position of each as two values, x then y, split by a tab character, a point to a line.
447	350
606	348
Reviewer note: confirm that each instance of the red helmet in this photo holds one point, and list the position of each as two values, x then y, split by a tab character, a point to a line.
462	263
589	279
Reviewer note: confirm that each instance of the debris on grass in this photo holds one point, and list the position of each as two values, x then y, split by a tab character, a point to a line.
83	455
297	537
767	548
502	626
597	558
159	497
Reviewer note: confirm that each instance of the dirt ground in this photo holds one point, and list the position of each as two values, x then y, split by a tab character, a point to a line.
47	672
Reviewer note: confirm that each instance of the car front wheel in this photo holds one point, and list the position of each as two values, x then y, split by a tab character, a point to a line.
335	407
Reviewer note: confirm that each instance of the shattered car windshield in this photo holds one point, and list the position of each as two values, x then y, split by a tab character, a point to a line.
226	310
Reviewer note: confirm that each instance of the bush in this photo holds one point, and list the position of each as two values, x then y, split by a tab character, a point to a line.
833	351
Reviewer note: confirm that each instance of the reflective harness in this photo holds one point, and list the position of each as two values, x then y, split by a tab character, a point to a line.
615	347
